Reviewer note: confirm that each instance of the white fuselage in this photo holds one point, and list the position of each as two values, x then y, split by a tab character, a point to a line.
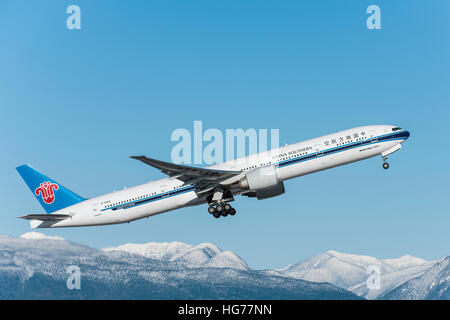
290	161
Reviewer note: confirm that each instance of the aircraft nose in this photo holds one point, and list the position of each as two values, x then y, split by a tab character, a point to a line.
407	134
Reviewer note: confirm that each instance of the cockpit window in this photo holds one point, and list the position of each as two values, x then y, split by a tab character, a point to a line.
396	129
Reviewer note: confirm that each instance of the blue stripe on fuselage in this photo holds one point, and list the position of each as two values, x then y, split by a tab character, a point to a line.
159	196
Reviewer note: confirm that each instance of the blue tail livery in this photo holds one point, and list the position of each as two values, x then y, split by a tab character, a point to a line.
51	195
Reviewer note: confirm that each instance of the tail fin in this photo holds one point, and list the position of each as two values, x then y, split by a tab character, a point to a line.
51	195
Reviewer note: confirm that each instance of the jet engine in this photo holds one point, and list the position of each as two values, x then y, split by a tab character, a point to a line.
262	183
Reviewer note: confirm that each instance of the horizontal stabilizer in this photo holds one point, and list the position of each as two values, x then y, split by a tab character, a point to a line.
45	217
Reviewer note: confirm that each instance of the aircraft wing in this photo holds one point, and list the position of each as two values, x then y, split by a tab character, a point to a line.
45	217
202	178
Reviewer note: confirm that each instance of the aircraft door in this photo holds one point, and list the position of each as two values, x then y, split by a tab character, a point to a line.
373	136
164	192
96	209
318	149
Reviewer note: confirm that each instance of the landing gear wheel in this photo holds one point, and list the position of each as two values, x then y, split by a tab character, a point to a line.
211	210
221	209
386	165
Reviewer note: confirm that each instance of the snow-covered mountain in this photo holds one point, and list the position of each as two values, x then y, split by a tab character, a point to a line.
433	284
202	255
39	236
35	267
351	272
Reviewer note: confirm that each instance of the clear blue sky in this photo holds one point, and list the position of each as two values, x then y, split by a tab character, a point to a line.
75	104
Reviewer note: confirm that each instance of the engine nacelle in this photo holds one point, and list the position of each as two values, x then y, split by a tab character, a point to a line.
262	183
267	193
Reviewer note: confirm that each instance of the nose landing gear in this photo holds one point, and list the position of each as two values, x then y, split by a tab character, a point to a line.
385	164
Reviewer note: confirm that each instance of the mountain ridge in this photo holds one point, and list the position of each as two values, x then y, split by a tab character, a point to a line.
351	272
205	254
433	284
35	256
36	268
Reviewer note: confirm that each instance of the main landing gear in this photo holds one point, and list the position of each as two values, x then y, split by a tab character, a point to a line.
218	205
221	209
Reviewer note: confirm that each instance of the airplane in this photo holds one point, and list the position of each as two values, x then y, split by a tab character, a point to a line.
260	175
